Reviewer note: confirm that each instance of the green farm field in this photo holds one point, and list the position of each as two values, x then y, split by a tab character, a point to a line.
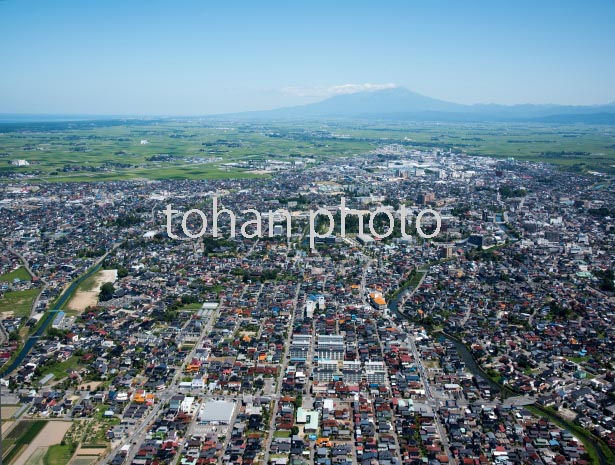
20	273
195	149
18	302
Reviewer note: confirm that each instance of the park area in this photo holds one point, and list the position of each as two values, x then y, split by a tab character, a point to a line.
18	303
88	292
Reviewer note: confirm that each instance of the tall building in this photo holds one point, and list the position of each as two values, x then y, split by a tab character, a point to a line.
446	252
377	300
310	305
351	371
326	370
330	347
374	372
300	348
477	240
425	198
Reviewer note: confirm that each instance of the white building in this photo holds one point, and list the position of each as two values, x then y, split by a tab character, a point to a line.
186	404
351	371
330	347
197	382
217	412
326	371
374	372
310	305
300	347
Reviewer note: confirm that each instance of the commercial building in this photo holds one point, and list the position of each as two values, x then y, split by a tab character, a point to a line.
217	411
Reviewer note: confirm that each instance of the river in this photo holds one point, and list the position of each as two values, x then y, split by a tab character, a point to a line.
47	319
477	371
463	351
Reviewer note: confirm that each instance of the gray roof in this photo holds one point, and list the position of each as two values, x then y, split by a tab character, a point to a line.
219	411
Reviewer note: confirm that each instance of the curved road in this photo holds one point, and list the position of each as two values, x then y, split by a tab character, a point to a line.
26	265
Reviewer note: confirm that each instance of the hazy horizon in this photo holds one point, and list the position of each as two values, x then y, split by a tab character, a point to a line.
196	59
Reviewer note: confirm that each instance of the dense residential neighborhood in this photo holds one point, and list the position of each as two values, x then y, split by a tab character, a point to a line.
490	343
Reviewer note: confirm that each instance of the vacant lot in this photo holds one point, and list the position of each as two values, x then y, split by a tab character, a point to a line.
20	273
60	369
19	303
8	411
51	434
87	293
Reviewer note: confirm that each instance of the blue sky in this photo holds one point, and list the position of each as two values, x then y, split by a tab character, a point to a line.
204	57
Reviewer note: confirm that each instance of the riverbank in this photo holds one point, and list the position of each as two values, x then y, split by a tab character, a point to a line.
15	361
87	293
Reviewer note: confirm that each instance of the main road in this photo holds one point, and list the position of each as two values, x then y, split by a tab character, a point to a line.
137	436
283	366
432	401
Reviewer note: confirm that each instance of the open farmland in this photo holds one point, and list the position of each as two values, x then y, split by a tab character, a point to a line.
192	149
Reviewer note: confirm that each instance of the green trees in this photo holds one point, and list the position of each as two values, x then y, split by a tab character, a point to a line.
508	192
106	291
122	272
606	280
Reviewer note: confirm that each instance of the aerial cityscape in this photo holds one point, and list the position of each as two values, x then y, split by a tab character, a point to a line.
348	274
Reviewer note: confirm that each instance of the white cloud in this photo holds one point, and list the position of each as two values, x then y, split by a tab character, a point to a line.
319	91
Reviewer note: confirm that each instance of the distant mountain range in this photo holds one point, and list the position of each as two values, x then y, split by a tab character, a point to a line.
390	104
402	104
